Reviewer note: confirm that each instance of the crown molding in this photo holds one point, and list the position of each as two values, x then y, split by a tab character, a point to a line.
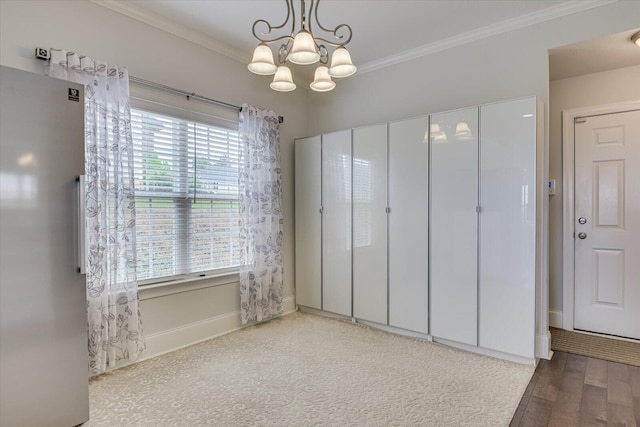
540	16
168	25
210	43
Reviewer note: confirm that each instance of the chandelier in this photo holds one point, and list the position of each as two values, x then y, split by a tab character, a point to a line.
304	48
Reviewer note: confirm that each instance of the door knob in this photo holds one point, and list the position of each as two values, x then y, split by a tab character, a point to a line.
582	235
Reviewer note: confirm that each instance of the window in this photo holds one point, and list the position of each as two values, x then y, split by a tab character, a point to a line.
187	212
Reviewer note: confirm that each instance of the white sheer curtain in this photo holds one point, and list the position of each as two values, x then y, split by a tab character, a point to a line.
260	215
114	326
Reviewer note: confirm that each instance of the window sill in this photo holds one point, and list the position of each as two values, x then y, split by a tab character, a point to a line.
157	290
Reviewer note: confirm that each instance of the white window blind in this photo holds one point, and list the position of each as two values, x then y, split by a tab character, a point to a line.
186	179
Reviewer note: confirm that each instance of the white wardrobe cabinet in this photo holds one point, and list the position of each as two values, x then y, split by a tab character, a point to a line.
454	225
369	195
308	217
377	177
408	224
432	225
323	222
484	226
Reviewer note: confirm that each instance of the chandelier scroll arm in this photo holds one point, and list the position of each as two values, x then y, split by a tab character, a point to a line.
291	12
334	44
323	52
284	50
334	31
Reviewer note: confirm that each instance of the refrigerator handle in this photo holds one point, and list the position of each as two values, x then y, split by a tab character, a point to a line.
82	250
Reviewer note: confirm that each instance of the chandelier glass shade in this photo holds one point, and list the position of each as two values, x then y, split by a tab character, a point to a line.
322	80
262	62
301	46
282	81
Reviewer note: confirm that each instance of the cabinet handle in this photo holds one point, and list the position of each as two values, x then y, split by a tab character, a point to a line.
82	256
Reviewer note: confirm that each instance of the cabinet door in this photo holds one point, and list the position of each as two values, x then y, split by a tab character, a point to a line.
508	226
370	223
454	225
308	222
408	225
336	222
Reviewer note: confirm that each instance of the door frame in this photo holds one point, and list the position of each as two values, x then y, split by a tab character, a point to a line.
568	198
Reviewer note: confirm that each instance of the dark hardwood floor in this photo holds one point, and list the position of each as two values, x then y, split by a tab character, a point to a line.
571	390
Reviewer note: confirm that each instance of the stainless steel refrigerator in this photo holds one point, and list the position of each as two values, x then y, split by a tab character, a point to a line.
43	334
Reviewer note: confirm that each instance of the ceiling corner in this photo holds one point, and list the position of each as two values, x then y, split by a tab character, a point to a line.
172	27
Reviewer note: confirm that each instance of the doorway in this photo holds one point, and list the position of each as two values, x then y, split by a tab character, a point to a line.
602	219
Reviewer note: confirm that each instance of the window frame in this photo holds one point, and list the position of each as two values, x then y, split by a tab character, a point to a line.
199	113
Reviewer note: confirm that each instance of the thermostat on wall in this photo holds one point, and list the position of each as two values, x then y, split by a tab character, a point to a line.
551	187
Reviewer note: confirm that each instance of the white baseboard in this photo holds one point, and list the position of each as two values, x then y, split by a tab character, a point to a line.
324	313
396	330
386	328
555	318
486	352
174	339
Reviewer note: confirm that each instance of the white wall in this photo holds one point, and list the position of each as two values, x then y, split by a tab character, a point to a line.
510	65
149	53
583	91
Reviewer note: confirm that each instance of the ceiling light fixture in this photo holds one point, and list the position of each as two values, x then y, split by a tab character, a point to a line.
304	48
636	38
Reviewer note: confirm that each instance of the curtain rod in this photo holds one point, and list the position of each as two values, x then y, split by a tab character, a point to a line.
44	55
188	95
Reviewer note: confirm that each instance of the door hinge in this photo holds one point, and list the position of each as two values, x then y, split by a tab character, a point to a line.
321	209
477	209
579	120
387	209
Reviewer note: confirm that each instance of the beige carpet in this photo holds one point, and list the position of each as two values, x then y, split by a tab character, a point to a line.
600	347
303	370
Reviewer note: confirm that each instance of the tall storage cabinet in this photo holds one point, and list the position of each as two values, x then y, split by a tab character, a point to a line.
308	216
454	225
370	223
323	222
507	250
408	176
432	225
336	222
484	226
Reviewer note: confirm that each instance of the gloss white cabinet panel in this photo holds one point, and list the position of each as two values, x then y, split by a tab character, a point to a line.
408	225
370	223
508	226
308	222
454	225
336	222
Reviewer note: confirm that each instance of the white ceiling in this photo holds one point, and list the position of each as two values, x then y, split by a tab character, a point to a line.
385	32
592	56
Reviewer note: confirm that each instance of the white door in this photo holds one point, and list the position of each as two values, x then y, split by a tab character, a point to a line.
308	222
507	257
370	223
408	220
607	224
336	222
453	229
